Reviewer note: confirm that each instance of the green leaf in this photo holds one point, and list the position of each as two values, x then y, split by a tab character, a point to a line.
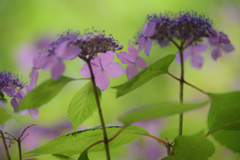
77	142
48	157
84	155
4	116
220	104
150	72
153	112
195	147
82	105
43	93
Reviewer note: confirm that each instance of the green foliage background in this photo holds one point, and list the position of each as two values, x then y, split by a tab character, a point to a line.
26	21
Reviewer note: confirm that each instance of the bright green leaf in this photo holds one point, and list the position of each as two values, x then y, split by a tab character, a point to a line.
84	155
195	147
160	111
49	157
77	142
150	72
221	103
4	116
43	93
82	105
228	119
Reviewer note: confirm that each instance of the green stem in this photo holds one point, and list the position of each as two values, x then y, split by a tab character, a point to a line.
5	145
19	149
99	111
181	91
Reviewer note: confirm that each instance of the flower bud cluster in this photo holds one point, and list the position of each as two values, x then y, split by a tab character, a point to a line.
9	77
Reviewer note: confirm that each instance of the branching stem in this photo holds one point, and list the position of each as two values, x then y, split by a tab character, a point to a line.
181	91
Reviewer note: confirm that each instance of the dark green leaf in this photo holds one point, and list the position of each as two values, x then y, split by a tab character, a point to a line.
82	105
4	116
195	147
164	110
43	93
150	72
227	103
84	155
77	142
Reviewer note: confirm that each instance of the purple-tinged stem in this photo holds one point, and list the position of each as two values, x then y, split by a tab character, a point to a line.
99	112
5	145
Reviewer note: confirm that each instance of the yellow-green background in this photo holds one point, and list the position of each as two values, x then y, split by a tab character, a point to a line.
24	21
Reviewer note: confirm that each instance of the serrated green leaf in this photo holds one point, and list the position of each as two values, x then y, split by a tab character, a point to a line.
4	116
43	93
160	111
195	147
219	104
150	72
77	142
84	155
82	105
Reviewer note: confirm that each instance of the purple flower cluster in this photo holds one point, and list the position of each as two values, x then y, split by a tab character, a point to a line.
13	87
185	30
86	46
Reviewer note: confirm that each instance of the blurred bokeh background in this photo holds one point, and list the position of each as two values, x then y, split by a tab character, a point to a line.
27	26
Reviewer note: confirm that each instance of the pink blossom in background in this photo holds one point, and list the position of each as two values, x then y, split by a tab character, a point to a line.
145	41
193	51
132	60
103	66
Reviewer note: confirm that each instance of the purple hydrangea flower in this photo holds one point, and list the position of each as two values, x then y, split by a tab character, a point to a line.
145	41
132	60
103	66
221	42
193	51
74	44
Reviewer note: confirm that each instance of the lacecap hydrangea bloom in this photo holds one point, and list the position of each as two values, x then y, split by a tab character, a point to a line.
85	46
185	30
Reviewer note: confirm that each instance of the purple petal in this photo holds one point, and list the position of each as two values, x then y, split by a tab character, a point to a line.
124	57
58	70
50	62
216	53
71	52
144	29
133	53
150	29
141	63
14	104
19	96
23	112
60	50
213	39
33	113
102	81
197	61
131	71
228	47
114	70
34	77
186	54
7	91
212	31
36	58
106	58
10	85
42	60
224	38
141	43
200	48
148	45
85	71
